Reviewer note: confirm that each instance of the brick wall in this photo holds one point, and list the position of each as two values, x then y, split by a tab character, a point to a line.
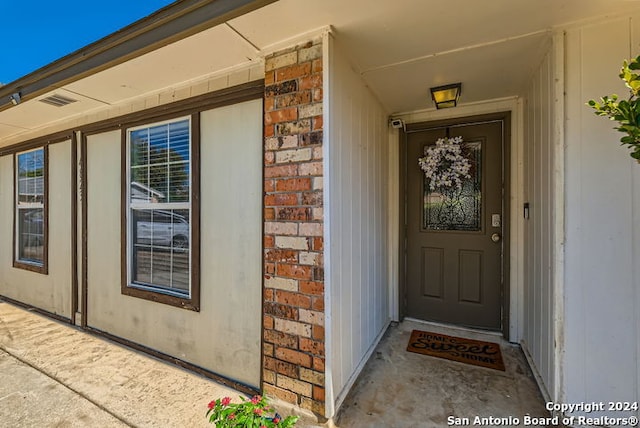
294	351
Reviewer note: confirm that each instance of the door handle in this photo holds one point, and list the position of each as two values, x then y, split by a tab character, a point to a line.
495	237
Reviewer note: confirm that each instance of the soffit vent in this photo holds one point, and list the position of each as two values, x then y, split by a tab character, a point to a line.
57	100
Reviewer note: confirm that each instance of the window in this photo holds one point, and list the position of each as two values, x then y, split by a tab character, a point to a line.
162	244
30	250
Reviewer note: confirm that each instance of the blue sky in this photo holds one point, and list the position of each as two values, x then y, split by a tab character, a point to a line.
38	32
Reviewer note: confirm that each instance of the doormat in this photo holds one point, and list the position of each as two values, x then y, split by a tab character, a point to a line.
476	352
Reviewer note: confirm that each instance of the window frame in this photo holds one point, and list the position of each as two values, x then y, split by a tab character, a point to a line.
160	295
37	267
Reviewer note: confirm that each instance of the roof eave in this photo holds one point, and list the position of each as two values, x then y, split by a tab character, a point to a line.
169	24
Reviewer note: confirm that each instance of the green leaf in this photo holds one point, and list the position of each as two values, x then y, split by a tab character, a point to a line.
625	112
627	140
634	64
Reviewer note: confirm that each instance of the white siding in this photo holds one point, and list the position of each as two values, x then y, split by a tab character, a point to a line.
602	289
175	92
224	336
538	334
357	162
51	292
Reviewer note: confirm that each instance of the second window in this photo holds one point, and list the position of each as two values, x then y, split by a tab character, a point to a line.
159	228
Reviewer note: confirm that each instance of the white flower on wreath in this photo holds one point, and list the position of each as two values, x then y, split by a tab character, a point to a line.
444	165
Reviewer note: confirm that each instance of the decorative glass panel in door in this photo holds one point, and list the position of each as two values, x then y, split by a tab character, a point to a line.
453	207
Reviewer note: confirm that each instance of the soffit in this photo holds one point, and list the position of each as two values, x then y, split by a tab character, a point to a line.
486	72
207	53
27	116
400	47
403	47
380	33
210	51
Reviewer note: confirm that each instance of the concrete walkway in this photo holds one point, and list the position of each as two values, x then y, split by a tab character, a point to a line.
55	375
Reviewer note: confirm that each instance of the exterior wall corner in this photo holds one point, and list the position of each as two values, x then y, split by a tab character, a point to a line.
294	297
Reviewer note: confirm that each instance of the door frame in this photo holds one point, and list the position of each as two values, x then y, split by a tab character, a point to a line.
505	118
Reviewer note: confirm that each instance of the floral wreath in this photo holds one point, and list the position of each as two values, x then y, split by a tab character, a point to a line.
444	165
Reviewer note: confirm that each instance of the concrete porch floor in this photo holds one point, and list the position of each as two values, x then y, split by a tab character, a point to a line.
55	375
402	389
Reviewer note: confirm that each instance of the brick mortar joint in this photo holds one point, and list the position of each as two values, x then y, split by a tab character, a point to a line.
294	307
297	350
304	389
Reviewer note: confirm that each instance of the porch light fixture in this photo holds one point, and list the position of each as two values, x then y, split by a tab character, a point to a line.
446	96
15	98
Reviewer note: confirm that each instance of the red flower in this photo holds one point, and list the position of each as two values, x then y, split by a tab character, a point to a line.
276	420
255	399
225	401
212	404
232	416
258	411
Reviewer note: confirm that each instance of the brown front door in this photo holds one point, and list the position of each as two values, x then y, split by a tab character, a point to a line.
455	232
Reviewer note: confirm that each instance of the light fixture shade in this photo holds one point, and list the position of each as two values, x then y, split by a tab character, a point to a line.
447	95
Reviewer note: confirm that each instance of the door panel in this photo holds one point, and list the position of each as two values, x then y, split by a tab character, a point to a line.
433	272
454	268
470	276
